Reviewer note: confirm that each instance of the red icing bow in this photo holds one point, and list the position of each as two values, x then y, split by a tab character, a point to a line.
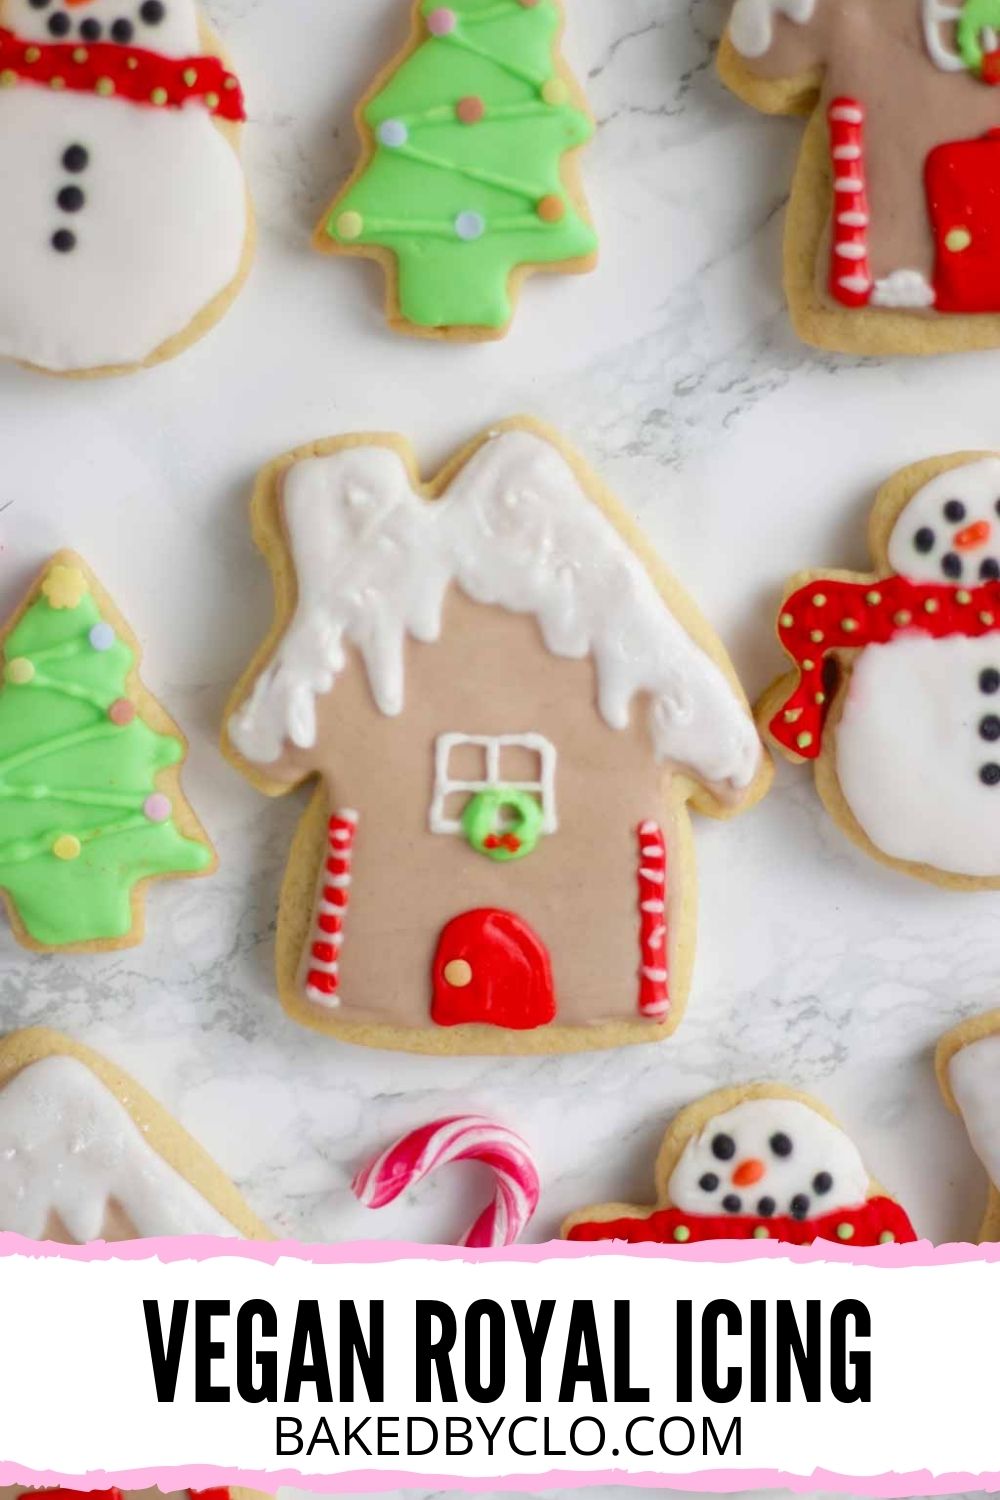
508	841
879	1221
830	614
131	73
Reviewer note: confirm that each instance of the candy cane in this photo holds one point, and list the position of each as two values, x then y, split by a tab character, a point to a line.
323	979
654	994
460	1138
850	268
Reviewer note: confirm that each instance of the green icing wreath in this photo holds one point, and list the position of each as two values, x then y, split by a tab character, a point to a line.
503	823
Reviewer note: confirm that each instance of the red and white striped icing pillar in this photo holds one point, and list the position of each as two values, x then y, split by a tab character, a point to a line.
323	978
850	268
654	993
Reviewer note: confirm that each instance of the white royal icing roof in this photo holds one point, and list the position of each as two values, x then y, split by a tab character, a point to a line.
68	1146
374	561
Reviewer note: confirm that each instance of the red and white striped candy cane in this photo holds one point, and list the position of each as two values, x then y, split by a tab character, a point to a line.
460	1138
850	268
323	978
654	993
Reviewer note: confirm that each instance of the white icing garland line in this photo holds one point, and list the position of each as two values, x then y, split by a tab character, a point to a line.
323	979
654	995
850	269
462	1138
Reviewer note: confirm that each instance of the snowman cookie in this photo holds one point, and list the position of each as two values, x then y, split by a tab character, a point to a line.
86	1154
892	240
895	696
509	707
758	1162
968	1070
126	229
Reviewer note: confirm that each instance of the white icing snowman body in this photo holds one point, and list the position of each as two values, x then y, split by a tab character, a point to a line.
769	1158
918	743
122	221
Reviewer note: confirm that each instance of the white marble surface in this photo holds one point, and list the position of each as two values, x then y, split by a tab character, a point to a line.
743	454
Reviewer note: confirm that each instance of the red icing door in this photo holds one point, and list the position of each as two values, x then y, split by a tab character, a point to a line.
963	199
491	969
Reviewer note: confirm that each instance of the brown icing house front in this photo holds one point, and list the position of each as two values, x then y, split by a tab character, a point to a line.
509	709
894	210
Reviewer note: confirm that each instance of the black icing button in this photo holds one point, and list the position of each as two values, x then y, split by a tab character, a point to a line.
122	31
152	12
70	199
989	774
989	727
63	240
59	24
38	4
77	159
90	30
989	680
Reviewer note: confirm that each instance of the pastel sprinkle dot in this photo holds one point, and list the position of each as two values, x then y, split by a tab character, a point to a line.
350	225
819	600
157	808
442	21
393	133
67	846
121	712
20	671
470	110
786	620
105	87
551	208
212	101
32	54
102	637
887	1237
555	91
190	76
57	83
470	225
845	1231
80	54
8	78
804	740
873	596
682	1233
762	1232
158	96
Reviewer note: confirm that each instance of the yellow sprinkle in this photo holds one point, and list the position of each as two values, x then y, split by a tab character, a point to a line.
158	96
32	54
762	1232
350	225
785	620
845	1231
873	597
986	617
8	78
190	77
555	91
819	698
804	740
57	82
20	671
80	54
963	596
104	87
902	617
229	82
816	635
808	665
791	714
849	625
67	846
887	1237
819	600
682	1233
132	62
931	606
958	240
212	101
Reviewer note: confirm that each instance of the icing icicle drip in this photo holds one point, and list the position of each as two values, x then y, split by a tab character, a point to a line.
323	978
82	818
70	1148
374	562
654	976
464	179
751	26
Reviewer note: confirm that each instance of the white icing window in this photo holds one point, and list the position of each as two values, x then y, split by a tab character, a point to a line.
469	763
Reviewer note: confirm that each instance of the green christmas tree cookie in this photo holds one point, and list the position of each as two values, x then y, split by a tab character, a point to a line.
469	179
90	798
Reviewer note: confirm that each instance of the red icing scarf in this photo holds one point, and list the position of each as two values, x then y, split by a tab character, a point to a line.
832	613
113	71
878	1221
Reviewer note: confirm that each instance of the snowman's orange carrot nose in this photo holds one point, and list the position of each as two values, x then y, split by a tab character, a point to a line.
79	2
976	535
748	1172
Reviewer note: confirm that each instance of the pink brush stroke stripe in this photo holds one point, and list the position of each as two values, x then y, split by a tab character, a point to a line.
889	1486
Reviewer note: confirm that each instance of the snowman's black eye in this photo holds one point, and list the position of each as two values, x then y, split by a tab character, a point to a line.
951	565
781	1144
954	511
731	1203
38	4
924	539
723	1148
766	1207
152	12
822	1182
708	1183
990	568
799	1206
59	24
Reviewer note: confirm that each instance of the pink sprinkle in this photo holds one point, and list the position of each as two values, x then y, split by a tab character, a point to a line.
441	22
157	808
